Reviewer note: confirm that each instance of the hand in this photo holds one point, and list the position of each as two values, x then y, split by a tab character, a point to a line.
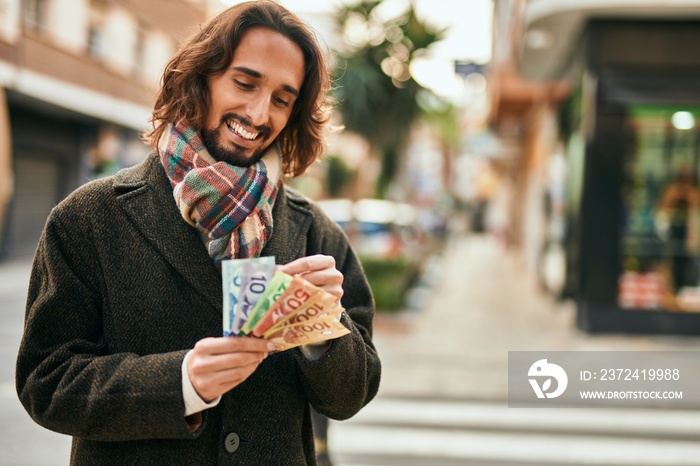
319	270
216	365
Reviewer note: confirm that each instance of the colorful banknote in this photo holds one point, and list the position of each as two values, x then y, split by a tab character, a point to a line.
262	301
314	331
256	278
232	277
298	292
318	306
277	286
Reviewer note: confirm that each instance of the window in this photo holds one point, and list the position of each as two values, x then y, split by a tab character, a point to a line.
36	14
9	20
95	41
140	50
96	33
661	236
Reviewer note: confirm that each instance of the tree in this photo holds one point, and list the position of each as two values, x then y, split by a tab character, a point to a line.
442	117
377	95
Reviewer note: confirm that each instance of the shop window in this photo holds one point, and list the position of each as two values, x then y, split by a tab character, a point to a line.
140	50
9	20
96	30
661	200
36	14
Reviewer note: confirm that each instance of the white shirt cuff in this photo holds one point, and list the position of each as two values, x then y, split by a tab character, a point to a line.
193	402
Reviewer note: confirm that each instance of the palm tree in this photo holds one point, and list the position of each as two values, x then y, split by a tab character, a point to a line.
442	117
374	87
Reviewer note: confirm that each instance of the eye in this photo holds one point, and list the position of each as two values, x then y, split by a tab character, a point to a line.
243	85
281	102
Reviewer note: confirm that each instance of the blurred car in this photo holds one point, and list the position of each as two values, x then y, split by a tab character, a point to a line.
377	227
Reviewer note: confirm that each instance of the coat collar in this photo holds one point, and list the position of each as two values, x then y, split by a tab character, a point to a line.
292	217
146	196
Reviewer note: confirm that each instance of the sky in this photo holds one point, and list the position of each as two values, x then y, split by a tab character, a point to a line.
468	35
469	22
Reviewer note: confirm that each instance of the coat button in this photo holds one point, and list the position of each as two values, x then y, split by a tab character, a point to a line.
232	442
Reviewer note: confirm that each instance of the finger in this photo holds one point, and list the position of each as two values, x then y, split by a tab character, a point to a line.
225	345
209	364
212	385
309	264
329	279
231	378
335	290
325	277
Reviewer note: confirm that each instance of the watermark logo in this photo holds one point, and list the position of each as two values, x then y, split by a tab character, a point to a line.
542	370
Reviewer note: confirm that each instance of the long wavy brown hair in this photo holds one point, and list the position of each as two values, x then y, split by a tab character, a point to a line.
184	93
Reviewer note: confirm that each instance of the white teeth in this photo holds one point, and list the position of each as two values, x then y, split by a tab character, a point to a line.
238	129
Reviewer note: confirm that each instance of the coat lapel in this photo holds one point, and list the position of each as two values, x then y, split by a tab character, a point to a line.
291	225
146	196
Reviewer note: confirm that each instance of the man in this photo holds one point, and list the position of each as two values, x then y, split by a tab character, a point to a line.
122	346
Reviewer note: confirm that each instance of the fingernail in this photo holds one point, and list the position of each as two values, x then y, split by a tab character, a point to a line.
270	346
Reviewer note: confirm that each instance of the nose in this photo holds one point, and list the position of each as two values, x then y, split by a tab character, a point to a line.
259	109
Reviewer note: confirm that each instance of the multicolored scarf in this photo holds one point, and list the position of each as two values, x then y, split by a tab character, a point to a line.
231	206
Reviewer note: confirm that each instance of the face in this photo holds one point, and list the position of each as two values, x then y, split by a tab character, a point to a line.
252	100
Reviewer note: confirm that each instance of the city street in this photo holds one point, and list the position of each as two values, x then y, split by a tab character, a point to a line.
22	442
493	156
443	399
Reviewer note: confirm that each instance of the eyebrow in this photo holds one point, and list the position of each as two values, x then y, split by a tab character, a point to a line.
258	75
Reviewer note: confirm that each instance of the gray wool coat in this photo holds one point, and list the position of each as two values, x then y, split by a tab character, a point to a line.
122	287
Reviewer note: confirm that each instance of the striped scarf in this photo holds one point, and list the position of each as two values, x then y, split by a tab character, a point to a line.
231	206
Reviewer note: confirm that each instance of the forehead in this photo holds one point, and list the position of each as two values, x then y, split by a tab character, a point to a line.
271	54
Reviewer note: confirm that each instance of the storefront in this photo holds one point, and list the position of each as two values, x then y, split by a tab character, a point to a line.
53	151
633	135
45	165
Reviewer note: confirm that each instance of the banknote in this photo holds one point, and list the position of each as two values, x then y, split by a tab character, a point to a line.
298	292
232	276
277	286
306	333
256	277
319	306
262	301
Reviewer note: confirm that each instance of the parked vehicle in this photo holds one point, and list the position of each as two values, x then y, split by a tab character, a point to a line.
389	241
377	227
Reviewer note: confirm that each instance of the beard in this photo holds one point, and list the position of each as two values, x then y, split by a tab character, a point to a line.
236	156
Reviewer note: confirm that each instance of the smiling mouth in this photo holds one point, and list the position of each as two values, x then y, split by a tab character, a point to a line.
238	129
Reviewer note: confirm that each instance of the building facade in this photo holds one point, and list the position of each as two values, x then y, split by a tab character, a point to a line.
524	117
77	79
629	134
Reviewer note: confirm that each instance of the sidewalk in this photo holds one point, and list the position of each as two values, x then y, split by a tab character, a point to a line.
14	275
481	306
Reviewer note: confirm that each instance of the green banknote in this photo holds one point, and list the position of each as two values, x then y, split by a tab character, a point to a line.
256	278
279	283
232	278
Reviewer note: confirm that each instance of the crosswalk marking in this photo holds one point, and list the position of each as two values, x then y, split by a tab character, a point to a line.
488	431
543	449
498	415
7	389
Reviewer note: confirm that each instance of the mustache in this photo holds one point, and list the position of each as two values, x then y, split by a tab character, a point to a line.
264	130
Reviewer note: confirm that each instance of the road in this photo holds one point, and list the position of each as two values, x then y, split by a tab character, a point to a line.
442	400
412	432
22	442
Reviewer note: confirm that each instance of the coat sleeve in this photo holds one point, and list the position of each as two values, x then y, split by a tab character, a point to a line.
66	377
346	377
